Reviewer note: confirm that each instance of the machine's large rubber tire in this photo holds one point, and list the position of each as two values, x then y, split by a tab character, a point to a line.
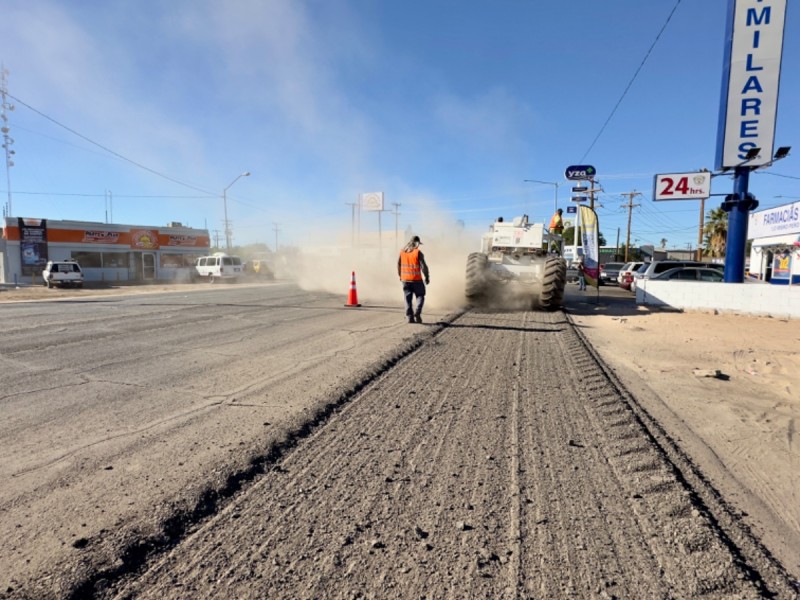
477	266
553	283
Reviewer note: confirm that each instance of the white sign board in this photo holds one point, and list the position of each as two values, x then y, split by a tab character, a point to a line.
752	69
372	201
682	186
781	220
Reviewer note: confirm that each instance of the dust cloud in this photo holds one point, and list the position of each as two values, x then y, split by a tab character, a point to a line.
373	258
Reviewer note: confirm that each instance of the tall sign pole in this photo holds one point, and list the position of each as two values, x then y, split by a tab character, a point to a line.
748	111
373	202
580	173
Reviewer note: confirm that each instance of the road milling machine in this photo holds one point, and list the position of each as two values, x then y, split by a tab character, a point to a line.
520	266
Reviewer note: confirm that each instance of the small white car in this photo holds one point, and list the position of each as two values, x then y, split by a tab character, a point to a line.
64	273
219	266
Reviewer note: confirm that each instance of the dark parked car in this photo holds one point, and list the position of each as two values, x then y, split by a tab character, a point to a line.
690	274
609	273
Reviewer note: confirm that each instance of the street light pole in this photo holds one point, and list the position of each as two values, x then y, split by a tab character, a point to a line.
225	207
554	184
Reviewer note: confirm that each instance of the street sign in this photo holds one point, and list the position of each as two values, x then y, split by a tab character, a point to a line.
372	201
580	198
682	186
572	210
750	82
580	189
580	172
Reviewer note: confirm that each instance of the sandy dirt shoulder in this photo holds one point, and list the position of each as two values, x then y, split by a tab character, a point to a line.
727	388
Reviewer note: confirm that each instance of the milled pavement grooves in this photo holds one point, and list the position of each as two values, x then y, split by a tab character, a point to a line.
93	574
499	459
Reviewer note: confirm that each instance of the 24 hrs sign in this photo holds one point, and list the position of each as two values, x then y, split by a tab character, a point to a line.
682	186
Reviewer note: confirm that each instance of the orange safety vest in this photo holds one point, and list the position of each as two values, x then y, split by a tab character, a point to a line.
556	222
410	269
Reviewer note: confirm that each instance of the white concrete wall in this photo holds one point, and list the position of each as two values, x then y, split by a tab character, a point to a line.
749	298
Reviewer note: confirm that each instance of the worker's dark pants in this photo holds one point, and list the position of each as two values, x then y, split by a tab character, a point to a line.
411	289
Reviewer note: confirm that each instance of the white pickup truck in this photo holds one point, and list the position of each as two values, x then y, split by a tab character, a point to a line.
64	273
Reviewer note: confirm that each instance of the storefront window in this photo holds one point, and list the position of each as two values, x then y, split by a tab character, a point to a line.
116	260
90	260
172	261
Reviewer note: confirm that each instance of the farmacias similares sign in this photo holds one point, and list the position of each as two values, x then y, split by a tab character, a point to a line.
752	69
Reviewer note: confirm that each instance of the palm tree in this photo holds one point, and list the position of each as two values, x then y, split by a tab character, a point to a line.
715	232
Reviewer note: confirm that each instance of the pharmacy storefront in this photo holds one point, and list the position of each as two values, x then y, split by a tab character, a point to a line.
775	250
105	251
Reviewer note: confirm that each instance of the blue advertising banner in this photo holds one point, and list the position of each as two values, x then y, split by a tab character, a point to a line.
33	245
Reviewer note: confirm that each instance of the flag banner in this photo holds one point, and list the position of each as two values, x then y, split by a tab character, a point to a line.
590	239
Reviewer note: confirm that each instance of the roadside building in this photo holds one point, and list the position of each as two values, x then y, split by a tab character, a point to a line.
106	252
775	244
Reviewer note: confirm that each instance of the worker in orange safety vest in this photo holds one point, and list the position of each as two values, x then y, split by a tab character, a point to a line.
557	223
411	268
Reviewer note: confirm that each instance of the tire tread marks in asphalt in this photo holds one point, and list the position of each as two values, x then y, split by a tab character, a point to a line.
499	460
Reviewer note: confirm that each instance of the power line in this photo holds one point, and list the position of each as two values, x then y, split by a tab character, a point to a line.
777	174
103	195
106	149
630	83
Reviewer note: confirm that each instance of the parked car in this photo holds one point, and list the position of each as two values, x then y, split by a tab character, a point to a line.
628	282
628	268
64	273
261	268
690	274
609	273
653	268
218	266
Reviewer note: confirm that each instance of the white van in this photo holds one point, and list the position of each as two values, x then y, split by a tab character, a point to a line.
218	266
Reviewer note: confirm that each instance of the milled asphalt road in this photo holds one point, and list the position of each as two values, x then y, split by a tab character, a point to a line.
267	443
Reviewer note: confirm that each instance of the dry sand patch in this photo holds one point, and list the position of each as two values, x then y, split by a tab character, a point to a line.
728	388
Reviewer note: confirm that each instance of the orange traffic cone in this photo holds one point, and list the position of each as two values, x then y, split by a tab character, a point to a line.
352	298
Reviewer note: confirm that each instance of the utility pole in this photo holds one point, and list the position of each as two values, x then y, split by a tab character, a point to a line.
228	232
216	238
630	206
276	230
699	256
109	199
396	214
7	140
352	206
593	191
358	220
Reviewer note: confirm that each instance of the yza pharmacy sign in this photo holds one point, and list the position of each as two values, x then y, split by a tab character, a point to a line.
752	69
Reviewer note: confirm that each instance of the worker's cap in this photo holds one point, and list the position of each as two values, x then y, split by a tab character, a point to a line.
559	211
416	240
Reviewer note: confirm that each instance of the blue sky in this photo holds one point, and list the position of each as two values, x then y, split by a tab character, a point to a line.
446	106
